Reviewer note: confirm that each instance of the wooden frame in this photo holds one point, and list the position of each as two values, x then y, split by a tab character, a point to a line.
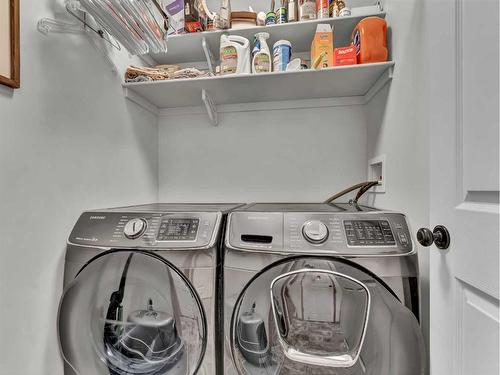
14	78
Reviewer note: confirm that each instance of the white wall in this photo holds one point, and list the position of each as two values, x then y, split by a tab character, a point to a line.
396	128
68	141
279	155
283	155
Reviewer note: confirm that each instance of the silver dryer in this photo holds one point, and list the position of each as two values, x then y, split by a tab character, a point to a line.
320	289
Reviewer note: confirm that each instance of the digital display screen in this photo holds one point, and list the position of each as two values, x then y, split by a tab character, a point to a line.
369	233
175	229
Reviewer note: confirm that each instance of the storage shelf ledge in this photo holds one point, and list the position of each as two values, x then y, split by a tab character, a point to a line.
355	84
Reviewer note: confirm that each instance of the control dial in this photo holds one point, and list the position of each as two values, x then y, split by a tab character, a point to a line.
315	231
135	228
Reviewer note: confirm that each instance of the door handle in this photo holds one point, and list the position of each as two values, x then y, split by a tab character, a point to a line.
342	360
439	236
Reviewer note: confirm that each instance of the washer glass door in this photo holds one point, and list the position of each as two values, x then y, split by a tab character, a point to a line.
323	315
131	312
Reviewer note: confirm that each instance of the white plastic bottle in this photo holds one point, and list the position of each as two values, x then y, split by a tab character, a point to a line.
234	54
292	10
225	14
307	10
261	54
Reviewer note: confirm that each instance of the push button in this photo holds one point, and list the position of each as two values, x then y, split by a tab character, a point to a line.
403	238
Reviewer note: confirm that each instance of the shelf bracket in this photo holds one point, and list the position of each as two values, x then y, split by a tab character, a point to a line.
386	77
210	106
208	55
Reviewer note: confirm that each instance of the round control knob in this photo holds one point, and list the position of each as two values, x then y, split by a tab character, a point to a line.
135	228
315	231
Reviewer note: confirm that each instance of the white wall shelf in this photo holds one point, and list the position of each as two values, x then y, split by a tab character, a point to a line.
355	84
300	89
187	47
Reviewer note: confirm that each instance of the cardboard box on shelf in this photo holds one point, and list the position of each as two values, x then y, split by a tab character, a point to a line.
345	55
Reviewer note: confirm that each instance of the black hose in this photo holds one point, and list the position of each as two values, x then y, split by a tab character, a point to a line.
364	189
111	336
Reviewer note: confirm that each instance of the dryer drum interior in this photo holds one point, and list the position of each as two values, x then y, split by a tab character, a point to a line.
131	312
322	314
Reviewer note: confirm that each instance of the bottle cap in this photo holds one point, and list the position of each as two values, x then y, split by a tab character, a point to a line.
263	35
282	42
261	19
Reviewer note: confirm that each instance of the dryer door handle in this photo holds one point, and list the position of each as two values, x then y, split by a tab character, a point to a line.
294	353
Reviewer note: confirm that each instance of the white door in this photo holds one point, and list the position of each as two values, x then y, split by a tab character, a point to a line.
462	104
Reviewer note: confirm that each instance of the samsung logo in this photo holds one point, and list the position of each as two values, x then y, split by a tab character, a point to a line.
93	239
97	217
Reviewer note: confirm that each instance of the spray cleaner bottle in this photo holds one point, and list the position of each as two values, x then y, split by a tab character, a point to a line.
261	55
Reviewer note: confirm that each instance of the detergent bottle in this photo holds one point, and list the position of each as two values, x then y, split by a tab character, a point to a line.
234	54
370	38
261	55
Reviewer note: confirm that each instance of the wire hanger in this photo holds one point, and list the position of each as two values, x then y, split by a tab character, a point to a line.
47	25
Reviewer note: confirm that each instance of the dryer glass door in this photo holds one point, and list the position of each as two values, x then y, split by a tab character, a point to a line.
323	316
131	312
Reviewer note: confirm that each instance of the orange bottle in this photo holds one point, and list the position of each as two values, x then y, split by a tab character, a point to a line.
322	47
370	38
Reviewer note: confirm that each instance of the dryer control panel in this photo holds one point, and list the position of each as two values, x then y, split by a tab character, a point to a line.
343	233
147	229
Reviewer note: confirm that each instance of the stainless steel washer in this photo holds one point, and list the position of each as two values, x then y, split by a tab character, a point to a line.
320	289
141	290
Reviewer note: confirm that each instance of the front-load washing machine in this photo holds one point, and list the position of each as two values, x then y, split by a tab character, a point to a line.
141	291
320	289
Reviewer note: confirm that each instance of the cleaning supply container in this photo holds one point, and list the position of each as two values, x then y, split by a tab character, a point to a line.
270	18
307	10
370	38
234	54
322	47
261	55
282	53
281	13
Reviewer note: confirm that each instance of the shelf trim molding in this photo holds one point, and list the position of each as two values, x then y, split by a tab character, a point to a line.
266	106
139	100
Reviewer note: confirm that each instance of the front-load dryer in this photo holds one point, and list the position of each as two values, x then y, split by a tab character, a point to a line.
140	291
320	289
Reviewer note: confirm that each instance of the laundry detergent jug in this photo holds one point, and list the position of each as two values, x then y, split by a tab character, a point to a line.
234	54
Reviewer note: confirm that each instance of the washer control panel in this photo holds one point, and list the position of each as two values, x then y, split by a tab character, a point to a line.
147	229
178	229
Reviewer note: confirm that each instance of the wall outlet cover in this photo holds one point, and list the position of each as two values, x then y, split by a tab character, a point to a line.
377	171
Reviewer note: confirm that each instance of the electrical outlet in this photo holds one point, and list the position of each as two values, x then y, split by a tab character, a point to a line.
376	171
